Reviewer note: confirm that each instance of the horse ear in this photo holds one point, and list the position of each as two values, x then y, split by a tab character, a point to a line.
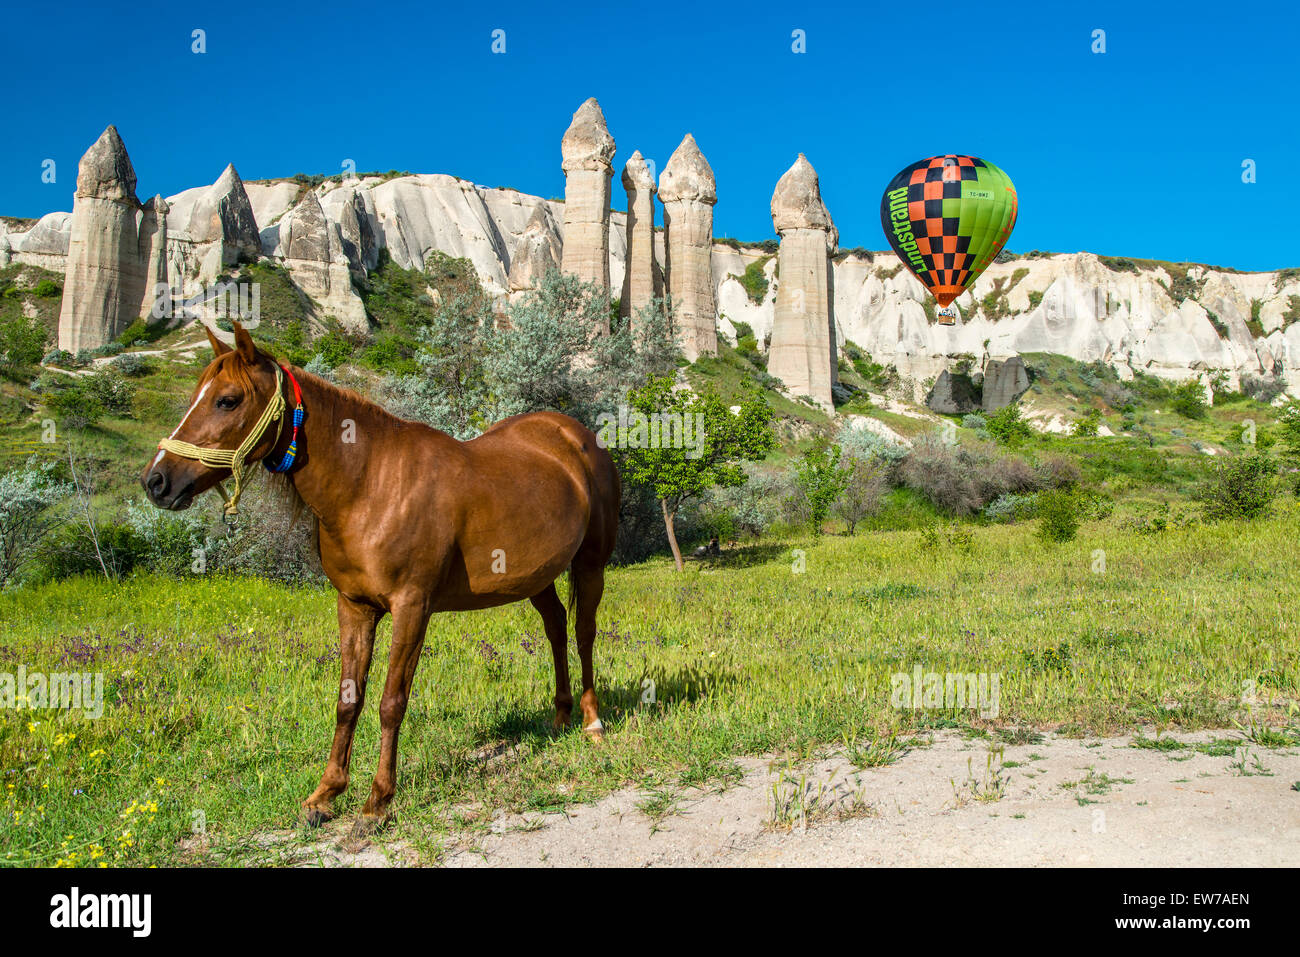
219	348
244	344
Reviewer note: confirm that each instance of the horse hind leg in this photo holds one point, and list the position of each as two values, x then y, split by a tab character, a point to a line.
549	606
588	584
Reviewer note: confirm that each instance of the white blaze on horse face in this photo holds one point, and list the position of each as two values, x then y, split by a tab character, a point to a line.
197	399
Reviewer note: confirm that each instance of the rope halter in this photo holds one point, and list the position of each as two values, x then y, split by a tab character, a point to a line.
233	459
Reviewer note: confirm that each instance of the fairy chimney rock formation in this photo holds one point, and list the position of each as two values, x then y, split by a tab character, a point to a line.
534	252
156	293
803	347
358	237
588	151
223	216
688	191
104	280
639	274
316	258
309	238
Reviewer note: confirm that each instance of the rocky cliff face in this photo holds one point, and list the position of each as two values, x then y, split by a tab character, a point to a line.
1168	320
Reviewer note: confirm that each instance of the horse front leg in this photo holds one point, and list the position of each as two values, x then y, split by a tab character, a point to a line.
409	625
357	624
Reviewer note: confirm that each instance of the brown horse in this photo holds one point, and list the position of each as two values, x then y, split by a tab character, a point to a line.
411	521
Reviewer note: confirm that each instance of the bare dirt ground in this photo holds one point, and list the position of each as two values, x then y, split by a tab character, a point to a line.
1057	801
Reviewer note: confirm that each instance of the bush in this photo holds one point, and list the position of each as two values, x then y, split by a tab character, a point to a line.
936	470
131	365
754	281
962	480
864	488
1242	487
333	349
58	357
1159	519
974	421
1086	425
1058	515
29	497
113	549
748	509
1056	471
1011	508
820	480
1008	426
955	536
22	341
1189	399
862	443
84	400
1094	506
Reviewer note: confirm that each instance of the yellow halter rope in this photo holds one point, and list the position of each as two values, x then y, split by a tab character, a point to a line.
233	459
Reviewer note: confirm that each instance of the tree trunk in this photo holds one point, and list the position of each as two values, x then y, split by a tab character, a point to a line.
669	518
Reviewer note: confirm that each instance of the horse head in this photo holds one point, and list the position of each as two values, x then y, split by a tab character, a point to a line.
236	416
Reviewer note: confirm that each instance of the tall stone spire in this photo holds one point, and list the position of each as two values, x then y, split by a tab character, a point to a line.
638	277
104	283
588	151
688	191
802	353
153	257
224	215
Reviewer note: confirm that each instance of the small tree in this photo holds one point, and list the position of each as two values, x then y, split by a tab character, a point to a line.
821	480
713	458
864	486
449	392
29	497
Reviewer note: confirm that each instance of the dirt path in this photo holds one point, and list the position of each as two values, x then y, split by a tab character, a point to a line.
1054	802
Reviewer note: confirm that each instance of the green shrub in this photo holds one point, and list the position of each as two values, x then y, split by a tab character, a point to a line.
1086	425
143	331
333	348
1007	425
1243	487
822	481
22	340
1058	515
1189	399
754	281
1011	508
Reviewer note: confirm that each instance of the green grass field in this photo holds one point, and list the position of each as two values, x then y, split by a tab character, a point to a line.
220	693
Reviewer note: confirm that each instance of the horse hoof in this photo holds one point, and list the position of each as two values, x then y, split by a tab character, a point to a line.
364	826
314	817
595	731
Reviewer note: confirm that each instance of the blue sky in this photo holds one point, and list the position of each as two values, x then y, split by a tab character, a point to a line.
1134	152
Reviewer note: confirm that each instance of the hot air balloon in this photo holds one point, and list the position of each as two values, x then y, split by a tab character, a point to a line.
947	217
